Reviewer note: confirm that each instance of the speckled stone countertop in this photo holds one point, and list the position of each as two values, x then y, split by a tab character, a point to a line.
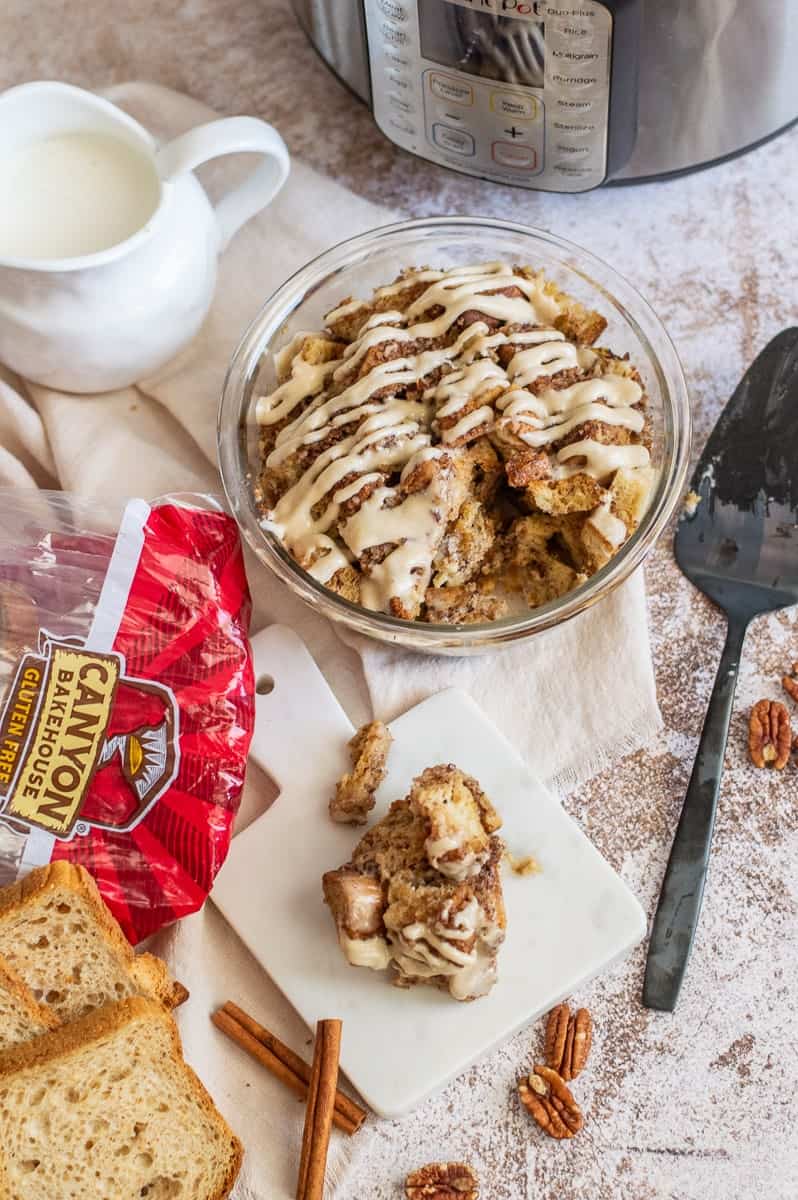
681	1107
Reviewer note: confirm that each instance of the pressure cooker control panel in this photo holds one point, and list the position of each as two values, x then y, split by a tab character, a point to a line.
512	90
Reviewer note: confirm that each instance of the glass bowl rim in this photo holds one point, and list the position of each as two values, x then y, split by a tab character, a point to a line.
422	635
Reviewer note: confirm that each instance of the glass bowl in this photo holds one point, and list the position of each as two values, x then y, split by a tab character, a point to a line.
354	268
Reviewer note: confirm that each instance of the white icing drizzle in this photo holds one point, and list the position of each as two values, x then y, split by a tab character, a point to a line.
346	493
371	952
306	379
344	310
554	430
371	335
469	863
610	527
591	457
381	433
458	387
547	358
386	446
425	275
415	512
424	950
414	525
467	423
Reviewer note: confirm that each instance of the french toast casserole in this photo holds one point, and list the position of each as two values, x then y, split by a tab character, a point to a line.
453	445
422	891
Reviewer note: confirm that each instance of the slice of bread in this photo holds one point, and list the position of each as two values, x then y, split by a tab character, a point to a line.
106	1108
59	937
21	1016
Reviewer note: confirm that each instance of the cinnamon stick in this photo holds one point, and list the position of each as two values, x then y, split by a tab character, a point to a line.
310	1118
282	1062
319	1111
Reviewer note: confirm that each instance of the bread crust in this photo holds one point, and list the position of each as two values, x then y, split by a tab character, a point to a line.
103	1022
11	983
148	971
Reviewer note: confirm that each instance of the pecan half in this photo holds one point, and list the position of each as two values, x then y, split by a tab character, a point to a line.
769	735
556	1033
790	682
443	1181
569	1037
548	1100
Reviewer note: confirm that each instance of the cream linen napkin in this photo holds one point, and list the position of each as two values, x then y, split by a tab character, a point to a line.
571	701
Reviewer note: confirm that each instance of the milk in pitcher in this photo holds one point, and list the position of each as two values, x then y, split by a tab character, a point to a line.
74	194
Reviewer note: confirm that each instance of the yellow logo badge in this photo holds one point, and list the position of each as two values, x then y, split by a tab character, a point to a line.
53	739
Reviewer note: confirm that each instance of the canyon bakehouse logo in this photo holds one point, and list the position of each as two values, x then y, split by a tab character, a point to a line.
55	739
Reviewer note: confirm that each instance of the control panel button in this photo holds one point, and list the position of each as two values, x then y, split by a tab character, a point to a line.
393	36
513	154
401	103
574	30
574	128
572	150
401	124
393	10
578	81
451	89
515	105
395	60
571	170
572	106
398	80
572	58
457	141
449	116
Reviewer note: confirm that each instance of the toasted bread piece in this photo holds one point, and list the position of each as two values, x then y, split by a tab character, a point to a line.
609	525
447	933
529	559
469	604
629	493
354	792
309	348
356	901
105	1107
548	580
576	493
308	360
423	889
464	547
21	1015
395	842
529	538
440	480
347	318
582	324
459	819
569	536
58	935
346	582
484	469
526	465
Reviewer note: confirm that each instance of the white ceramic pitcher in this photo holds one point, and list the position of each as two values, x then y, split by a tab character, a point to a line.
102	320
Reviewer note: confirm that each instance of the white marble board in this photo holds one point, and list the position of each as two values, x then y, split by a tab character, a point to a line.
564	925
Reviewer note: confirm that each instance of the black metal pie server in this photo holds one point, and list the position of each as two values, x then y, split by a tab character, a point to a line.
739	545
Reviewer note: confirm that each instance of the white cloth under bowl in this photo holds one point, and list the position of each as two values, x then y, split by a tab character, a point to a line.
572	700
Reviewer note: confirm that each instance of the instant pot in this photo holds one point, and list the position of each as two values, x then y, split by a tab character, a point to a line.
566	96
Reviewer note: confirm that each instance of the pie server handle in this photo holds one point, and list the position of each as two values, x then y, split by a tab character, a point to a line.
679	904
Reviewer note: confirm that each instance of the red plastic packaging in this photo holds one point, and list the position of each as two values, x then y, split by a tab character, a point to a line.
126	698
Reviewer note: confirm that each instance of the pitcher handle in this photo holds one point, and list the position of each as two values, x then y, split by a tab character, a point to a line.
231	135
